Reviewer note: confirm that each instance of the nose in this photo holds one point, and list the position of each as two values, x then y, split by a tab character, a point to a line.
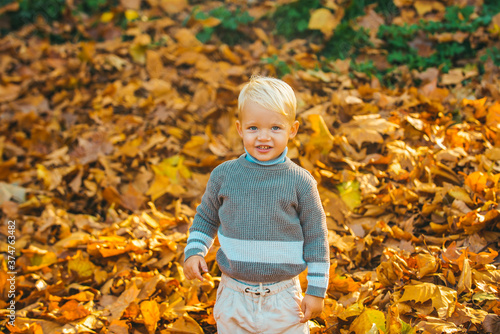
263	135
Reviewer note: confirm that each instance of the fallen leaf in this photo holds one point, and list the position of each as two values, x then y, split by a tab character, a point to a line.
322	19
443	298
151	314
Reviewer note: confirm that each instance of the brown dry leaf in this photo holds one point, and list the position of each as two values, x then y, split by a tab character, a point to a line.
131	4
173	6
91	131
118	307
391	271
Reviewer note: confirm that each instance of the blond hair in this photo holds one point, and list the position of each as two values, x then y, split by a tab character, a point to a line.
270	93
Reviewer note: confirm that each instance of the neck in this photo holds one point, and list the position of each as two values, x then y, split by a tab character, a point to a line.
280	159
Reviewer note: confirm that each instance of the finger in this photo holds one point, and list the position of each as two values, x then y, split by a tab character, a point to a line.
203	265
307	313
306	317
198	276
187	273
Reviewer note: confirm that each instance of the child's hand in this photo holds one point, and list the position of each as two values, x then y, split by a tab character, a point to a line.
193	267
312	307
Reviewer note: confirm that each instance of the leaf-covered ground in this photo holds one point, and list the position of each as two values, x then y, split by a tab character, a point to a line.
106	147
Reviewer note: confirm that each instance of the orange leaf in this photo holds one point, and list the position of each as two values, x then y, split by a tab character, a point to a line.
493	116
476	181
151	314
72	311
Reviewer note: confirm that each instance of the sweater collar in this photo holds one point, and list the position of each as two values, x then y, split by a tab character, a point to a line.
278	160
248	164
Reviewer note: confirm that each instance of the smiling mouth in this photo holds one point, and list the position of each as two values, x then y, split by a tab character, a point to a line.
264	147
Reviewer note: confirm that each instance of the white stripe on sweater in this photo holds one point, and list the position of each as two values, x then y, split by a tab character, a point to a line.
258	251
194	243
318	267
321	282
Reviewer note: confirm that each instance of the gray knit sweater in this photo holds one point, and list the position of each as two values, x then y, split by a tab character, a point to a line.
269	220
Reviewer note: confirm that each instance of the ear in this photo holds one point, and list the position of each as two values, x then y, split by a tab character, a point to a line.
294	129
239	128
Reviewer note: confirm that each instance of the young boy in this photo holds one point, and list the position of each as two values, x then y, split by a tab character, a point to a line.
267	213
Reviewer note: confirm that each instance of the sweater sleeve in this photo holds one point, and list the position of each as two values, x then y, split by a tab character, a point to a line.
206	220
316	249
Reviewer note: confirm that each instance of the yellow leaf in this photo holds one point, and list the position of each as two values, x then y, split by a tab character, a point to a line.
210	22
427	264
44	174
151	314
465	280
322	19
350	194
438	228
185	324
131	14
364	323
107	17
261	34
131	148
81	265
138	48
82	296
39	261
353	310
425	6
195	146
167	178
321	138
460	194
393	320
443	298
100	276
138	53
229	55
154	65
159	186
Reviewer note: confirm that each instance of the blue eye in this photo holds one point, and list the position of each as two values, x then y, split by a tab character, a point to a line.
276	128
252	128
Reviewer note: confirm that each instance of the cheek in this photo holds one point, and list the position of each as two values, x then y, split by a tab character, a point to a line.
247	137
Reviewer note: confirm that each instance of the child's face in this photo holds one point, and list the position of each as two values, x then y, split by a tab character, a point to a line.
265	133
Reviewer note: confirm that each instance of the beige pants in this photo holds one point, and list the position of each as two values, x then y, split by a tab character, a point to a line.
269	309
